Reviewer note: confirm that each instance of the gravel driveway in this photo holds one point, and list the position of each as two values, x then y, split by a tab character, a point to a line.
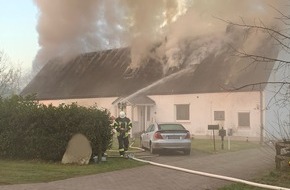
246	164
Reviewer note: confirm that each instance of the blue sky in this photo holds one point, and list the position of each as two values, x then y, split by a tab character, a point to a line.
18	35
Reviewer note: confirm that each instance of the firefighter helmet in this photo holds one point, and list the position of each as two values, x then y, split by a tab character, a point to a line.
122	114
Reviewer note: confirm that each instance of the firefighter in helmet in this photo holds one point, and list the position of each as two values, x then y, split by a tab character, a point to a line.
123	125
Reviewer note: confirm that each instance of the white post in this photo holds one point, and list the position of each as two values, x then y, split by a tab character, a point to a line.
229	143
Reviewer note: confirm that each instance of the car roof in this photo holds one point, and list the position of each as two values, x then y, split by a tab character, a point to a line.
158	123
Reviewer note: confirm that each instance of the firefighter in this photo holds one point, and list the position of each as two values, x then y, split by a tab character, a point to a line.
123	125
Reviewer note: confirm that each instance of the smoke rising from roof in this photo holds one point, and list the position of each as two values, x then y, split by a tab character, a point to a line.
70	27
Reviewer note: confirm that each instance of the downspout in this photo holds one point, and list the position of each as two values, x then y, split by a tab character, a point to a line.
145	119
261	118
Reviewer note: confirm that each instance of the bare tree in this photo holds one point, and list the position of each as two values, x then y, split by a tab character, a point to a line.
279	85
9	76
280	33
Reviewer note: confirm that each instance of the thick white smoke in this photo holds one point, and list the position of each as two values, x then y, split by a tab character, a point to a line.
69	27
202	22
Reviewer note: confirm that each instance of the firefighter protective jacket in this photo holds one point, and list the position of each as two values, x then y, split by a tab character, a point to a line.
122	126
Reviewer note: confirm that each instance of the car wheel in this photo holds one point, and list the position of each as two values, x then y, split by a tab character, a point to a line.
187	151
152	150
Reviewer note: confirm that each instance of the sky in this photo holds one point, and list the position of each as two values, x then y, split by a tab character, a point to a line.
18	36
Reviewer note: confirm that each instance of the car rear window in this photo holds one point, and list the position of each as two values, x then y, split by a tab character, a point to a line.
169	127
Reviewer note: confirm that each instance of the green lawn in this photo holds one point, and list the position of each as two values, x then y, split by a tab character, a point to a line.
276	178
207	145
16	172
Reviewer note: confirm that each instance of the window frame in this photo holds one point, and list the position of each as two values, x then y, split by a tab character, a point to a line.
219	119
176	112
248	119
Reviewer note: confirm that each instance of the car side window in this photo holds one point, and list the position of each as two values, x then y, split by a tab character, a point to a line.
150	128
147	129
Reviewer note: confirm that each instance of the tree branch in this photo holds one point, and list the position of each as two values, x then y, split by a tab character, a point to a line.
260	58
256	27
260	83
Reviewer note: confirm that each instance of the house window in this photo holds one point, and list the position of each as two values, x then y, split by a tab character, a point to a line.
244	119
219	115
182	111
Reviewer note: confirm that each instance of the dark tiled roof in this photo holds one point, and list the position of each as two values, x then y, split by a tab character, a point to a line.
105	74
100	74
217	74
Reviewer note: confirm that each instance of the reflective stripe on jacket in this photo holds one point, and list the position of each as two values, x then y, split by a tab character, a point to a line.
122	126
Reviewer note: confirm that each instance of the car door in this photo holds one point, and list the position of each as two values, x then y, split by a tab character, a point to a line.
150	133
146	137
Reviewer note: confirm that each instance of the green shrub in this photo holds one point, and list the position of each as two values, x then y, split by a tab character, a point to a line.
30	130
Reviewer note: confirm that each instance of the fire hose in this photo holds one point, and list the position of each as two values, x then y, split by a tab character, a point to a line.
131	156
232	179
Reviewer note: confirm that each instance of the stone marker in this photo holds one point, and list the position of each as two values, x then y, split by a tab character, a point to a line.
79	150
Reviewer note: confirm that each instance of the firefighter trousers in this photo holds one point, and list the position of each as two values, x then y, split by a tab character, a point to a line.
123	144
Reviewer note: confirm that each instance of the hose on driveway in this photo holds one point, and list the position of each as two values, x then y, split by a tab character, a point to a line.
131	156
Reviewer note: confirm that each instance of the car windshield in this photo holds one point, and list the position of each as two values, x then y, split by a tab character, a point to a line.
166	127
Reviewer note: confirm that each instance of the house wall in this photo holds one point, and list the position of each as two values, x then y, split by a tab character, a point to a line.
99	102
277	101
202	107
105	103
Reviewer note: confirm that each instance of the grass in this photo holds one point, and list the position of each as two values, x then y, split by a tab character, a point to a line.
18	172
277	178
207	145
23	171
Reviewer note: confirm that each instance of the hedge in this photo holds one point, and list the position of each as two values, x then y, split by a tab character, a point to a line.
30	130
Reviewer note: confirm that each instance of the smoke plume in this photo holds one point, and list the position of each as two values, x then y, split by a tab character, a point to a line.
171	27
69	27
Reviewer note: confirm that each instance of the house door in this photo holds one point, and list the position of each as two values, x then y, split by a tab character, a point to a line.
144	117
141	117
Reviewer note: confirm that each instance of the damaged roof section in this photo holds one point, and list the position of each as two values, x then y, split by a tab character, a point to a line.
107	74
99	74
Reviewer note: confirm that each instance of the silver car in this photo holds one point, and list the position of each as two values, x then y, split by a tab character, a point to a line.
170	136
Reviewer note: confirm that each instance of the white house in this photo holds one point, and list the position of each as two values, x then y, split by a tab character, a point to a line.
205	94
